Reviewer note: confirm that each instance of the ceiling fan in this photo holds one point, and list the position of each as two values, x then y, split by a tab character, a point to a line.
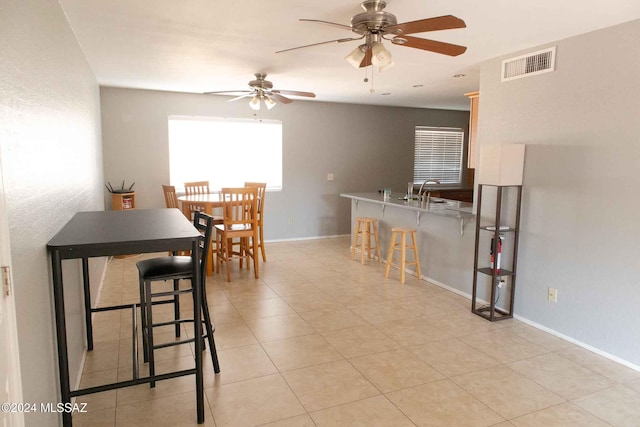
262	91
374	25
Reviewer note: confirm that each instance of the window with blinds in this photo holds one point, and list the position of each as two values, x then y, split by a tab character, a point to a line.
438	154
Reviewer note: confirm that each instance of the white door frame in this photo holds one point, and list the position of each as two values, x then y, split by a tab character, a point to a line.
10	380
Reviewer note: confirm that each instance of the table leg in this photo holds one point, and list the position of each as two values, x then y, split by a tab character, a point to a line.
61	332
87	303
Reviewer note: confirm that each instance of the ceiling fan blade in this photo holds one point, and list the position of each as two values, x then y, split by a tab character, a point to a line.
317	44
366	61
295	93
227	92
240	97
281	98
430	45
346	27
446	22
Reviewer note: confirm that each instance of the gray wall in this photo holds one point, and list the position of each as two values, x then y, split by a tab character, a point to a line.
580	226
52	166
366	147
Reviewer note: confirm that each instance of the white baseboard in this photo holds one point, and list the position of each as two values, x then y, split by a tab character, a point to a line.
543	328
578	343
336	236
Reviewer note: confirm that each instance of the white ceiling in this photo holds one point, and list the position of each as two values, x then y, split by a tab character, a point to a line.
210	45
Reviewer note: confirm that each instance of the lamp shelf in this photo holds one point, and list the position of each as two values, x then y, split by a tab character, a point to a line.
492	228
498	273
506	221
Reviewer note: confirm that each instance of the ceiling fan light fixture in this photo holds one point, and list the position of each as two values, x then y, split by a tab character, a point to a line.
270	103
380	56
355	57
255	103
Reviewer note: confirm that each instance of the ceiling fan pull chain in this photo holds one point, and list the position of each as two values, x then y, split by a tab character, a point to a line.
372	90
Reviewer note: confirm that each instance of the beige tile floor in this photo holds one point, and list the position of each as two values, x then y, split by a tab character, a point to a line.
320	340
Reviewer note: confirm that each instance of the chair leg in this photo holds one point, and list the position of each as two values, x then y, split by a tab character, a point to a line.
143	319
219	248
356	230
209	329
261	237
390	253
241	251
364	242
245	250
229	248
176	306
375	239
149	329
415	253
403	257
210	260
254	253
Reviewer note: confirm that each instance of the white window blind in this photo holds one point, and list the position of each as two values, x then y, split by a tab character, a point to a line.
438	154
226	152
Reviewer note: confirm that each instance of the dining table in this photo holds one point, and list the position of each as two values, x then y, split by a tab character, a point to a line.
111	233
206	203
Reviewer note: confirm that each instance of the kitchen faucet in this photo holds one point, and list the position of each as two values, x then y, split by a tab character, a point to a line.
428	181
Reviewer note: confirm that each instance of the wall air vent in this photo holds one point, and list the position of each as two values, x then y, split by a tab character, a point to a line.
530	64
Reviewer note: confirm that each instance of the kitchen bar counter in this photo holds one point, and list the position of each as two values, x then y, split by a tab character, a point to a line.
437	206
445	250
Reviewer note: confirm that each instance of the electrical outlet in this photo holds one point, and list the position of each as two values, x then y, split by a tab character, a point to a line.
290	220
330	177
552	295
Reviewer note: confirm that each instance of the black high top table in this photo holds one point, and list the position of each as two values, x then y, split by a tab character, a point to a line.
109	233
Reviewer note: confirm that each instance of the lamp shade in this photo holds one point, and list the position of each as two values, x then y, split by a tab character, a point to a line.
355	57
501	164
270	103
380	56
255	103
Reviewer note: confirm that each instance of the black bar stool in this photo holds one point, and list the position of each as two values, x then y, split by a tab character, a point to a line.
175	268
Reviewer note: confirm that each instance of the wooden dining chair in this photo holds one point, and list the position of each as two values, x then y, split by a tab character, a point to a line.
171	201
262	189
170	196
240	221
196	187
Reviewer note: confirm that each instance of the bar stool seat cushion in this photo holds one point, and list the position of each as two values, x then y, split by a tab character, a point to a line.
166	268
